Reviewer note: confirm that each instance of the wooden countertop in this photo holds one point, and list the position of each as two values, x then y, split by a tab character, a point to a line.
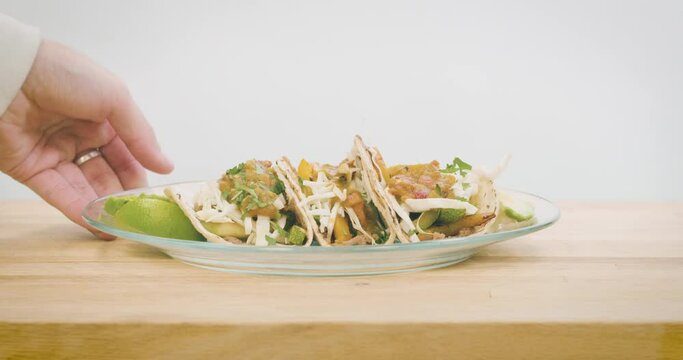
605	282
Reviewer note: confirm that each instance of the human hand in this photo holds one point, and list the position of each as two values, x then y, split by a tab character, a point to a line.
66	106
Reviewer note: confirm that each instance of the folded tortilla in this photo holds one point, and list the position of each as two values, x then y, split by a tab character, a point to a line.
398	219
185	202
336	206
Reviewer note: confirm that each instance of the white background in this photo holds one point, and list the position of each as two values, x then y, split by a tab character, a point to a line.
586	95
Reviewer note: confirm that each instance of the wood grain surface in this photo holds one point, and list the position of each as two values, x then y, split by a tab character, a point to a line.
605	282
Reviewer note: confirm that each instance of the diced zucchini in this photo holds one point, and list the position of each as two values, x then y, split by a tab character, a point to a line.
297	235
447	216
428	218
226	229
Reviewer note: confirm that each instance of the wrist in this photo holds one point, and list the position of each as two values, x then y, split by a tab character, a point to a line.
19	45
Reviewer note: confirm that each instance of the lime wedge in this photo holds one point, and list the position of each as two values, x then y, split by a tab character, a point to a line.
516	209
153	215
113	204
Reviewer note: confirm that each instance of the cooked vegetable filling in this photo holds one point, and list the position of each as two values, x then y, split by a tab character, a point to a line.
254	188
420	181
360	201
337	200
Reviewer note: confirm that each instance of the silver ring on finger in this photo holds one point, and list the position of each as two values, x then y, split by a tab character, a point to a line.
87	156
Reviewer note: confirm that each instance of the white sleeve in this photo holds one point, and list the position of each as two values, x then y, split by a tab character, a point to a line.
18	47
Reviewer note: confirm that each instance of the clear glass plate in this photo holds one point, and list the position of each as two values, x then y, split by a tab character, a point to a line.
318	260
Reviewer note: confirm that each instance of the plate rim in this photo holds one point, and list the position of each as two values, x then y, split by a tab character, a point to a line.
423	245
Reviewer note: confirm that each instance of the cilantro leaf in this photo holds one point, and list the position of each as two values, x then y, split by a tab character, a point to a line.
271	240
458	166
463	165
291	219
279	187
249	207
253	194
382	237
238	197
279	230
236	169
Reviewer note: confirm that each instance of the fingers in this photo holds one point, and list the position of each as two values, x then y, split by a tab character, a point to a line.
101	176
74	176
91	135
129	171
65	82
54	188
131	126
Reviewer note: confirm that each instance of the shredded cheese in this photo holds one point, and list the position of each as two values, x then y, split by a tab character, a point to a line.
465	192
340	194
248	225
279	202
282	222
213	208
406	224
319	212
333	217
262	229
323	202
408	227
318	197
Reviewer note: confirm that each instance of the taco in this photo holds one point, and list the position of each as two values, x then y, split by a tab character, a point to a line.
427	202
252	203
338	202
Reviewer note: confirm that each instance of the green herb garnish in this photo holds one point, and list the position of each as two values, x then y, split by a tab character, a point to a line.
249	207
291	219
253	194
279	187
235	170
382	237
271	240
238	197
279	230
458	166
